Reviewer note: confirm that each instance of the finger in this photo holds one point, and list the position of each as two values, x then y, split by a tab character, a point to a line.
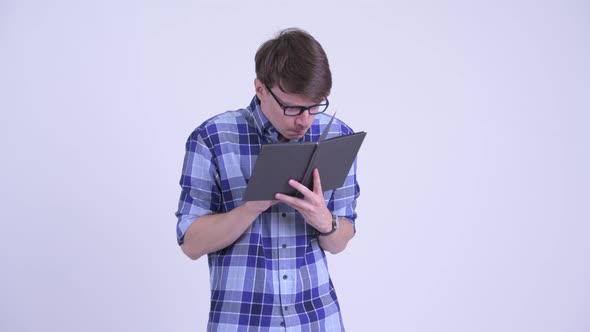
301	188
317	183
293	202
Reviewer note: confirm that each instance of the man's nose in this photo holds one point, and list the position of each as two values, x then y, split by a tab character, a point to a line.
304	118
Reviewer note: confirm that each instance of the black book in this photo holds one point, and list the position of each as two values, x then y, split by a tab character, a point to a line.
279	162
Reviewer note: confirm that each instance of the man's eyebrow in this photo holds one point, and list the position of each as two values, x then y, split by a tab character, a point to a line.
297	106
294	106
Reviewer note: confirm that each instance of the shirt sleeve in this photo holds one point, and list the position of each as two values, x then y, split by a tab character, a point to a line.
200	193
343	200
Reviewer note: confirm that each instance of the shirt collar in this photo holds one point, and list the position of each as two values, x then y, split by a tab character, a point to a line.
262	124
260	121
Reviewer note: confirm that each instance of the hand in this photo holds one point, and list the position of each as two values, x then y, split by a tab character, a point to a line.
313	206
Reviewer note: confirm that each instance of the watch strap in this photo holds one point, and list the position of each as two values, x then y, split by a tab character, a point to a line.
335	225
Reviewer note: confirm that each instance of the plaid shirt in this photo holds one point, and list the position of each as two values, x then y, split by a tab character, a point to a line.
275	276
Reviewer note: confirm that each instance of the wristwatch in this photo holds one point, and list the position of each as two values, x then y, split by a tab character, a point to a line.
335	225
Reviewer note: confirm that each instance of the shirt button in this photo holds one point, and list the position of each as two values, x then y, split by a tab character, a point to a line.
286	308
283	215
282	323
284	246
285	277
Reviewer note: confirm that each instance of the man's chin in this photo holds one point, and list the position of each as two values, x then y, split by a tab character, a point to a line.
296	136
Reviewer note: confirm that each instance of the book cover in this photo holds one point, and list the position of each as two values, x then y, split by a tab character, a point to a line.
277	163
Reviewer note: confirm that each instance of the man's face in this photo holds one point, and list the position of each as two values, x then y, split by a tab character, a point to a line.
290	127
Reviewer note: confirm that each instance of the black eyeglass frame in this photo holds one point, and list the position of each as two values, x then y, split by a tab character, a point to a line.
301	108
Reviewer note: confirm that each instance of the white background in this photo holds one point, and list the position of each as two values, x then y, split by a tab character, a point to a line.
474	210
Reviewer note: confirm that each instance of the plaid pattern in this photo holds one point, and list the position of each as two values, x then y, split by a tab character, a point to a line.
275	276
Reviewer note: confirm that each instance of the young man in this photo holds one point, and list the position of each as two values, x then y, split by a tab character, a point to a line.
266	258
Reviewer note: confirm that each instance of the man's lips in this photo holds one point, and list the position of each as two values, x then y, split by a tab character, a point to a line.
297	132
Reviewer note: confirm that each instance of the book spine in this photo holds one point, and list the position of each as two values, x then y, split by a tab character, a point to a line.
308	177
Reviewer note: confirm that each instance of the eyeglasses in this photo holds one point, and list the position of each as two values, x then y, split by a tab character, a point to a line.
298	110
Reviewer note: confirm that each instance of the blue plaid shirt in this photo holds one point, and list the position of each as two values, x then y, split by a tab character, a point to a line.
275	276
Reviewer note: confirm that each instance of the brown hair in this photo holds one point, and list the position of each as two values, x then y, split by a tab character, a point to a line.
296	62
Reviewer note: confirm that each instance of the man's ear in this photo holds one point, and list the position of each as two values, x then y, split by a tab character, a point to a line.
259	88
